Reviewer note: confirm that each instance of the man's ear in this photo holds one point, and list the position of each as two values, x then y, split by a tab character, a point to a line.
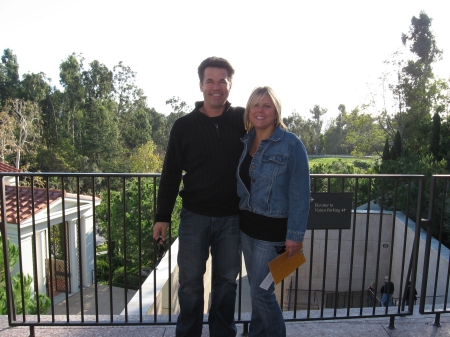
201	86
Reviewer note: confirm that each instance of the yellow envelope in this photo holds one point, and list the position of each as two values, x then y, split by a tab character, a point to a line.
281	267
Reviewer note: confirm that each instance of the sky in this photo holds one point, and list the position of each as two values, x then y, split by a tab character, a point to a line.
326	52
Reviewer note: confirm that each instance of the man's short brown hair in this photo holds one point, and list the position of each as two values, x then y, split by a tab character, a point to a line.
215	62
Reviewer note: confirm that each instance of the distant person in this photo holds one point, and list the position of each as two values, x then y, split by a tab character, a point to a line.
205	145
274	190
386	292
408	289
370	294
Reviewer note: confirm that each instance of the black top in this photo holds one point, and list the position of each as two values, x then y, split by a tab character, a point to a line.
207	150
255	225
387	288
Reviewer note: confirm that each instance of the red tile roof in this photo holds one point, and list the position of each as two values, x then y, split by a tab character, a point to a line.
25	201
8	168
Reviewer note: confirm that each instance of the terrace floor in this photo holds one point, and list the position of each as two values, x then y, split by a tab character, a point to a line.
415	325
406	326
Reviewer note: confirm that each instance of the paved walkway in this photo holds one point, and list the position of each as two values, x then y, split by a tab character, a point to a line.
103	307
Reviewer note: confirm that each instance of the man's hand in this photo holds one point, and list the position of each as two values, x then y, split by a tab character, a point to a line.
293	247
160	230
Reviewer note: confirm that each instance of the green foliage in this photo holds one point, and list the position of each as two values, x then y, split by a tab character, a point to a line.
304	129
13	254
31	306
418	85
16	282
313	160
386	152
131	279
145	160
9	77
396	150
129	228
363	135
435	136
344	184
364	165
425	165
334	136
317	113
103	267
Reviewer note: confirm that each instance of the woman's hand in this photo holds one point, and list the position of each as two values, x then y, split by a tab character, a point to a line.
293	247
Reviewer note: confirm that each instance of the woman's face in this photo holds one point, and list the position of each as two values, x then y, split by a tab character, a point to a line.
263	114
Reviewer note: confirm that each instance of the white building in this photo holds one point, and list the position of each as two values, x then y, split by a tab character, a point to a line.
30	214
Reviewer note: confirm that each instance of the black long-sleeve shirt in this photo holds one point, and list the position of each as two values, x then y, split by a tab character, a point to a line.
387	288
207	150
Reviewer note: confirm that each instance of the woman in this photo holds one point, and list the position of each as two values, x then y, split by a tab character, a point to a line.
273	186
370	294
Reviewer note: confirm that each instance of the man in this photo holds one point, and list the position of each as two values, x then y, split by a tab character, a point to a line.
386	292
205	145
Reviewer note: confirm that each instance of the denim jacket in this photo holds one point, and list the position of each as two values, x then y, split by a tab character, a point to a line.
280	183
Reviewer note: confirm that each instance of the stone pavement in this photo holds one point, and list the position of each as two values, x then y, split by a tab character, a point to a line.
415	325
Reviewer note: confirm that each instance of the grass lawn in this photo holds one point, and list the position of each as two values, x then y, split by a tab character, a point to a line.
347	160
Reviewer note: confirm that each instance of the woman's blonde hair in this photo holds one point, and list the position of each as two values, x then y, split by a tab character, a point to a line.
257	94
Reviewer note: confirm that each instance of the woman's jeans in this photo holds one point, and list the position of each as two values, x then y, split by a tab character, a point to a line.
197	233
267	318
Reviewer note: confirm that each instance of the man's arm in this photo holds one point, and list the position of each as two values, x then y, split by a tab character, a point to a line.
168	187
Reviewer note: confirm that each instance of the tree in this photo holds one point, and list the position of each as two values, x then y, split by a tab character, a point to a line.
37	88
363	134
73	94
386	154
9	77
161	136
145	159
317	112
138	226
100	137
418	84
334	135
304	129
98	134
7	138
397	149
134	117
137	125
435	137
124	87
26	126
422	41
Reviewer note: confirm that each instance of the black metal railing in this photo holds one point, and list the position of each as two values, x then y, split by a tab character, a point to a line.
434	292
383	239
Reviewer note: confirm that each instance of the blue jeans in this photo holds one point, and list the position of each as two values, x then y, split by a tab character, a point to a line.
386	300
267	318
197	233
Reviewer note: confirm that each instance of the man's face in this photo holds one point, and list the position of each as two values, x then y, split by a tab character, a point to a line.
215	87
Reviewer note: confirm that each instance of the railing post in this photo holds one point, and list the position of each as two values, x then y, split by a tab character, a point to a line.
391	323
245	332
32	331
437	320
4	237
